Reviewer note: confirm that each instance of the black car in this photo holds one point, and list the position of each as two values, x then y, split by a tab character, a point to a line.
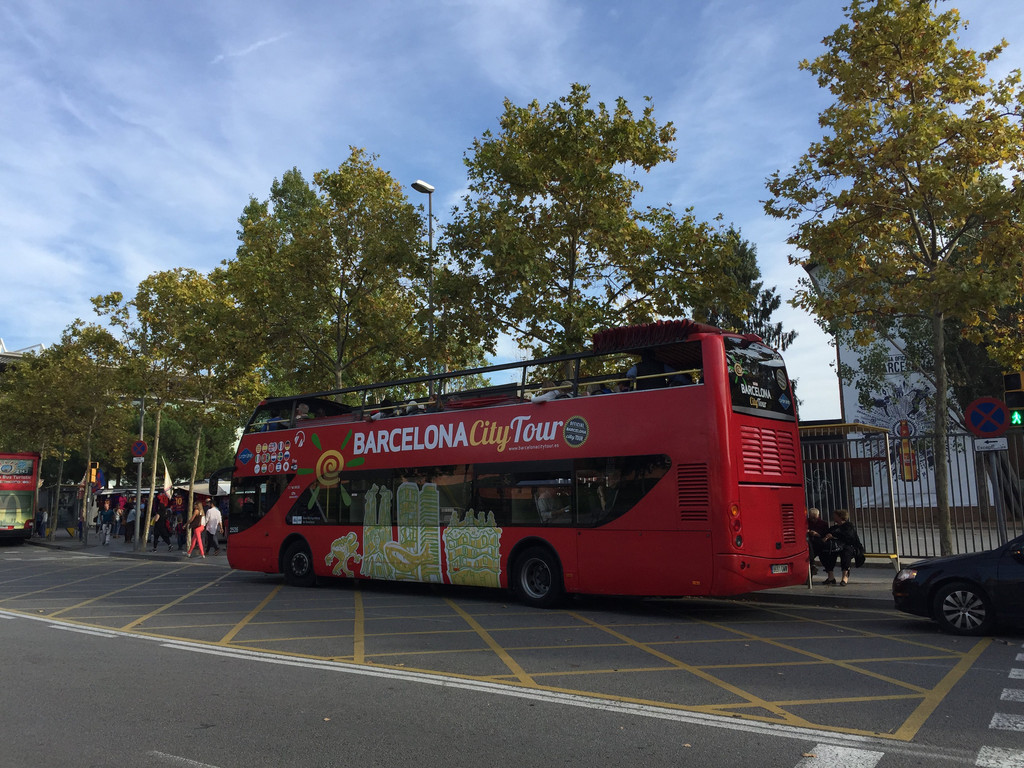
966	594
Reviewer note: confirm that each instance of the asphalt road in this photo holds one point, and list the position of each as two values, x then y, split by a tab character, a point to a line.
141	661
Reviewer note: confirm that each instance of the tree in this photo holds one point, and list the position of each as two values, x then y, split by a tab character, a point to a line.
910	205
765	302
324	278
179	337
551	240
65	398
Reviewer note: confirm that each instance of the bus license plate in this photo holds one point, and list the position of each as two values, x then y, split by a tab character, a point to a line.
781	568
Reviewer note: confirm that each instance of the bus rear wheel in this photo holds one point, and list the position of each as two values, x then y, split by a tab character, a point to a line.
298	565
538	578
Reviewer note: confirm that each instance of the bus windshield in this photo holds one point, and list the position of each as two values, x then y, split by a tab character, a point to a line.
758	383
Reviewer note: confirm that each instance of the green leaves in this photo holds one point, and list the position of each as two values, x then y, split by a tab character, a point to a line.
551	236
906	203
324	275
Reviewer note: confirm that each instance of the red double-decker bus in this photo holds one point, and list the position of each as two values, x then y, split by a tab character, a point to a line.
662	462
19	477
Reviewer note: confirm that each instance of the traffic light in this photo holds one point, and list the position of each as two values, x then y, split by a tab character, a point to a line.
94	467
1014	397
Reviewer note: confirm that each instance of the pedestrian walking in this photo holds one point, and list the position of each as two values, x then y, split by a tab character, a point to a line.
161	529
214	525
179	530
196	523
106	517
129	528
41	520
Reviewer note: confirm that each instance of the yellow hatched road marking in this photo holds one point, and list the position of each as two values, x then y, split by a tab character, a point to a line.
818	657
493	644
62	585
105	596
162	608
934	697
358	628
250	616
787	717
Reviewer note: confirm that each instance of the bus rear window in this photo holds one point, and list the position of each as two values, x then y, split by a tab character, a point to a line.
758	383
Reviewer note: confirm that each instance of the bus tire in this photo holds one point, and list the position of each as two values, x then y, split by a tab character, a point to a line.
298	565
537	578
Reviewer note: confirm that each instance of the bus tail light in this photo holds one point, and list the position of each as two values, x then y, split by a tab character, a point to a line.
735	524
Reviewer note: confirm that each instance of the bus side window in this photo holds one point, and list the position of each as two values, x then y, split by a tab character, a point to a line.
252	498
323	506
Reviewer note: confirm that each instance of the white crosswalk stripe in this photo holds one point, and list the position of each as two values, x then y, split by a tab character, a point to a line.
1005	722
829	756
1012	694
994	757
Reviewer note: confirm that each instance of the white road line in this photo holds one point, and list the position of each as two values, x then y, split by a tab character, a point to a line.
1004	722
1020	657
854	743
829	756
85	631
1017	673
179	760
1012	694
995	757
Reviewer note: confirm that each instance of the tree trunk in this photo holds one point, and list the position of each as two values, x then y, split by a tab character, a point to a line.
941	434
142	523
56	504
195	467
87	485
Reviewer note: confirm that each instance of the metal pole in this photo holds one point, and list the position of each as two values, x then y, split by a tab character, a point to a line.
138	482
428	189
430	287
997	493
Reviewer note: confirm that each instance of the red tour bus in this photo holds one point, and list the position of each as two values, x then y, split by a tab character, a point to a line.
664	462
19	478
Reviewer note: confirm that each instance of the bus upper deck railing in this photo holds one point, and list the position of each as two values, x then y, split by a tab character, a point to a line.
289	414
644	357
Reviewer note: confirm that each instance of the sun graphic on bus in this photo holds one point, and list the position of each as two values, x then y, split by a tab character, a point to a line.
328	469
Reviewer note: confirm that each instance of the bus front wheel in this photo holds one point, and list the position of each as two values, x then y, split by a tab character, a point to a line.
298	565
538	578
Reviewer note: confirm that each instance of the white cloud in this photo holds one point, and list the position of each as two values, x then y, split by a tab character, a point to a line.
140	130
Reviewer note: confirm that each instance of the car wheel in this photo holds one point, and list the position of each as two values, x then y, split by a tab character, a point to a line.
538	578
963	609
298	565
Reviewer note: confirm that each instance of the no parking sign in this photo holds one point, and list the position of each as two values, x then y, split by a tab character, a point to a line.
987	417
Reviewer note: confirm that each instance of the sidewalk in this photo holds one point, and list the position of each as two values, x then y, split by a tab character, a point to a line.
870	587
117	548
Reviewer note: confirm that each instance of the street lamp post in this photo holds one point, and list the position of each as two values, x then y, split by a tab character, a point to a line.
428	189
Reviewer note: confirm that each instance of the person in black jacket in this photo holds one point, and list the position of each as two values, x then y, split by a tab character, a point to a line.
840	543
161	529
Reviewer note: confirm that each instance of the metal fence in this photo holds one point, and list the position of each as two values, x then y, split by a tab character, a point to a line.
888	483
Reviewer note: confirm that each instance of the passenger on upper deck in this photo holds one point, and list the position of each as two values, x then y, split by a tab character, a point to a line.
548	391
387	408
646	372
278	420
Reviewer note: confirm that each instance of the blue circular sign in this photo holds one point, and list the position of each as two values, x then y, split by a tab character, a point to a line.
987	417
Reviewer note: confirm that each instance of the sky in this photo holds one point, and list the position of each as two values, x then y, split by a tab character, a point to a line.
133	134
